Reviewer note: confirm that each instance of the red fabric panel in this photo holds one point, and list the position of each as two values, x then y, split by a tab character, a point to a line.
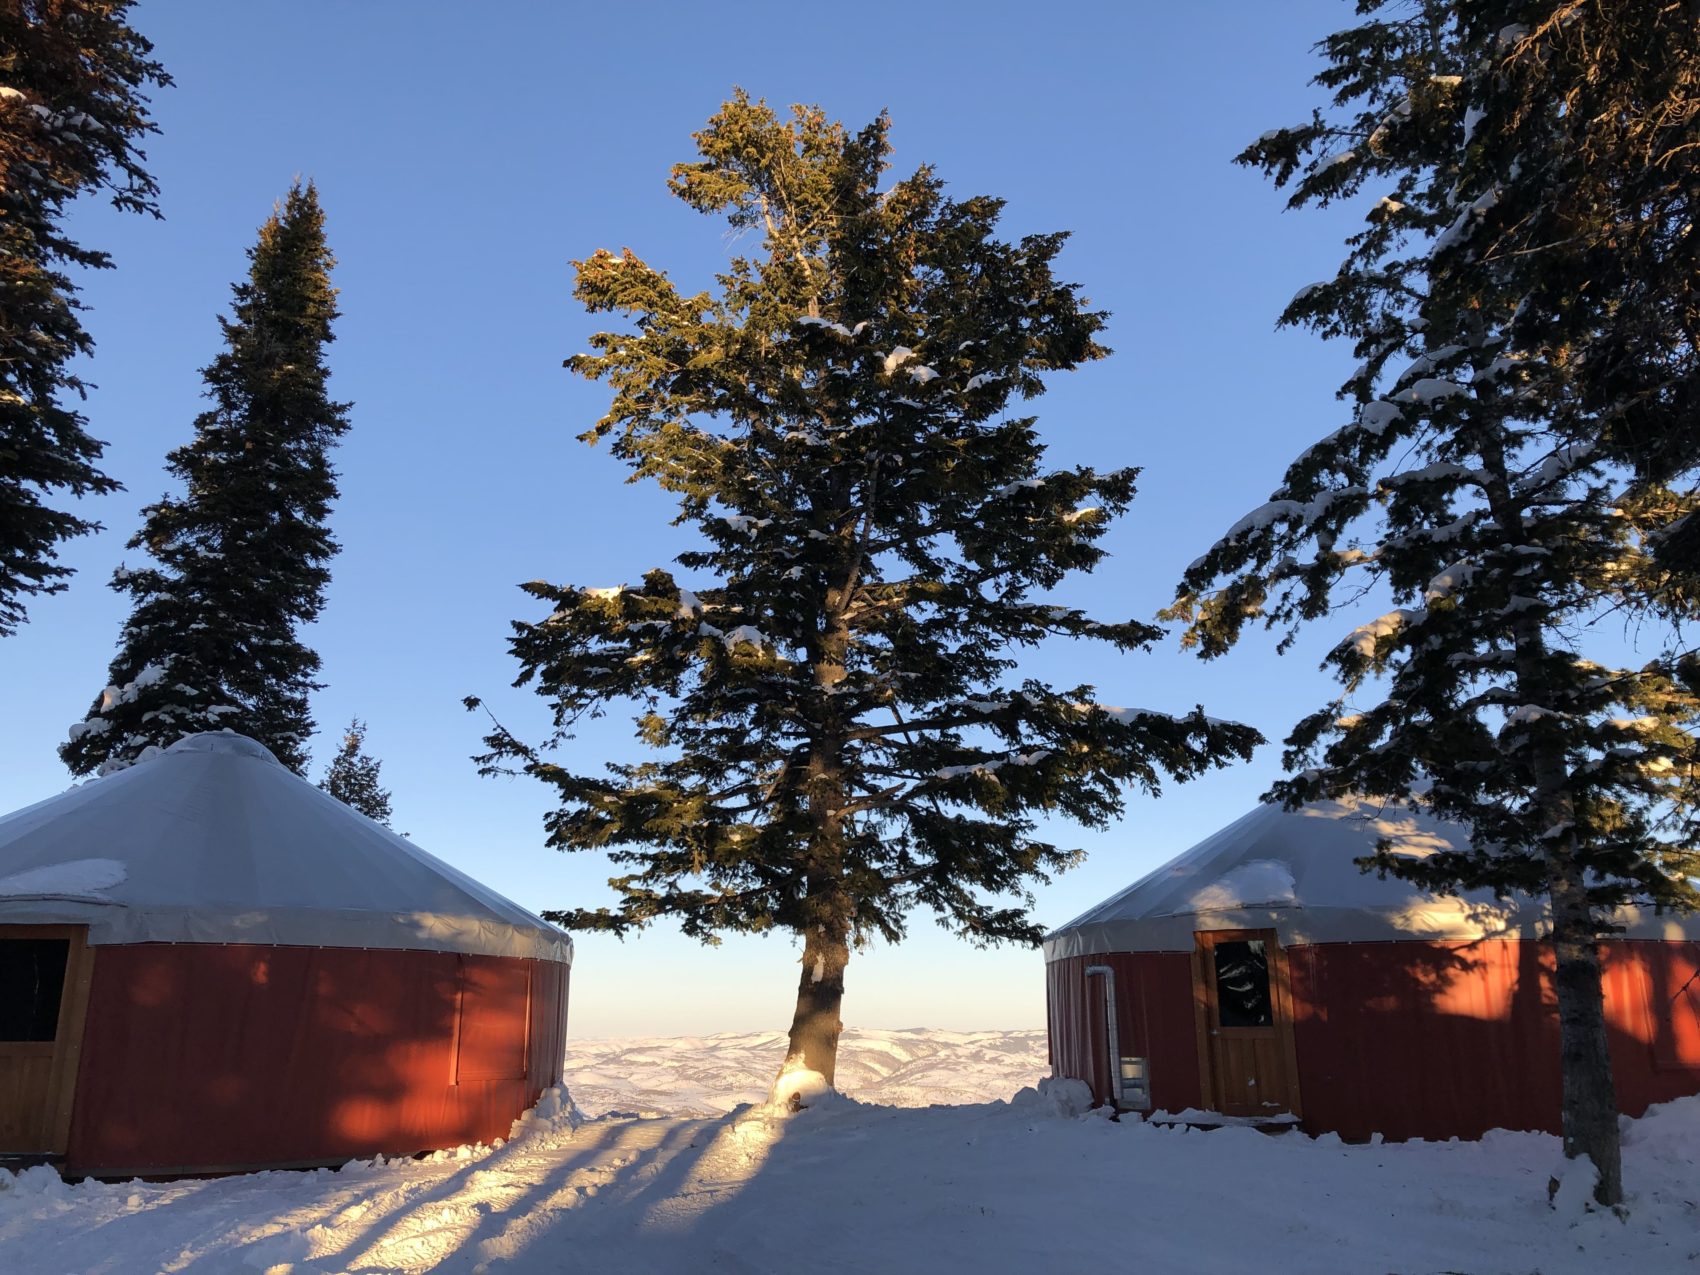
1154	1020
1073	1016
1663	983
495	1009
1425	1040
202	1056
1653	1010
1455	1039
548	1025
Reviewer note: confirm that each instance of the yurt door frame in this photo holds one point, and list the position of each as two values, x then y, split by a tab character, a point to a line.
45	972
1243	1006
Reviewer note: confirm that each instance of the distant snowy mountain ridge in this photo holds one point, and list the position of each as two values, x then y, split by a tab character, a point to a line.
710	1075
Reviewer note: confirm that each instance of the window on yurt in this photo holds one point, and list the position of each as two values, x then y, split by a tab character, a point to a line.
1242	984
32	981
495	1019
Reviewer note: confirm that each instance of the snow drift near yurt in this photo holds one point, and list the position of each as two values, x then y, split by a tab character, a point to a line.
212	964
1261	975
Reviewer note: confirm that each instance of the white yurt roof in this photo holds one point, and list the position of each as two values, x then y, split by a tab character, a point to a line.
1292	871
215	841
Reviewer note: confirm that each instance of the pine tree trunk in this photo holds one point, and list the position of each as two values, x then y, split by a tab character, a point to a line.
1590	1097
1589	1101
816	1025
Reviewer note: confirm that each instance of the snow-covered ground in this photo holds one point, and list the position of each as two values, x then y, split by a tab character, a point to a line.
1029	1185
710	1075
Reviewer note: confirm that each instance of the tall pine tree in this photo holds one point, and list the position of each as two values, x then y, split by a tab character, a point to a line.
72	110
352	776
1498	481
241	559
838	733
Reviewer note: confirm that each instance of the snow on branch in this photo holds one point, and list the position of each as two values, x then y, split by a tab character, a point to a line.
744	523
1427	362
1137	716
815	321
1561	464
1430	389
1302	513
1450	580
994	765
1440	471
889	363
1365	638
1466	221
1375	417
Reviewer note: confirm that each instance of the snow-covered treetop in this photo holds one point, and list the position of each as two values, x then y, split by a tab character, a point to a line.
830	692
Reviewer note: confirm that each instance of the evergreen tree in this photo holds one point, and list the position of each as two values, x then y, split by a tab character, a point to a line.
838	734
1489	483
71	112
242	556
352	776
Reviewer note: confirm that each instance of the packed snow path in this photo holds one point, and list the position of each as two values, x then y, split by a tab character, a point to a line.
1027	1186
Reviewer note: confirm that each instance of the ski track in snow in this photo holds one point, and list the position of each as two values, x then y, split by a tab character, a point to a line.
1028	1185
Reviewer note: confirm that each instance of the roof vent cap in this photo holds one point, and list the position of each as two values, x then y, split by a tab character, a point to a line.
224	741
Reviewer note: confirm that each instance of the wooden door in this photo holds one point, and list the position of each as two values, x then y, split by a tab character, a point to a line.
1244	1011
44	984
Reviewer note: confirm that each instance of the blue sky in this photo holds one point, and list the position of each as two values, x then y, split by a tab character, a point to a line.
465	154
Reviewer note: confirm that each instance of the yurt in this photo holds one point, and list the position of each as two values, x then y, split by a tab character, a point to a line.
207	964
1261	977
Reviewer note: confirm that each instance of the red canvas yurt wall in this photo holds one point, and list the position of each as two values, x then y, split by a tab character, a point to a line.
207	964
1391	1011
208	1057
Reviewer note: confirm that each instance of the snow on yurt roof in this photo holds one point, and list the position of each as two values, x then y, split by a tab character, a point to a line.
215	841
1292	871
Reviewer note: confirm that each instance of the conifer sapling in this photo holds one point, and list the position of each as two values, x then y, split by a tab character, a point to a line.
352	776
